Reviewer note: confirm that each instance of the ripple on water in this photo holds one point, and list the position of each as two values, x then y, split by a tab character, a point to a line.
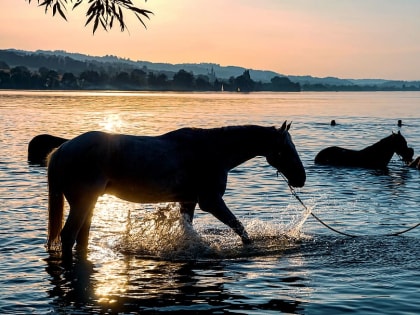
205	267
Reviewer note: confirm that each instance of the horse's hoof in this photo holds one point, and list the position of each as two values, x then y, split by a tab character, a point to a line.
66	257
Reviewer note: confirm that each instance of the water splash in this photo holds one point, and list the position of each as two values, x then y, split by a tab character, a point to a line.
296	225
163	233
166	234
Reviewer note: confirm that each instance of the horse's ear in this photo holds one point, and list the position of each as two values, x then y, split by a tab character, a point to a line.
399	132
283	127
288	126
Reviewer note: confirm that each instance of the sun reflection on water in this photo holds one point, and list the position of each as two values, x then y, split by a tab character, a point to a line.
112	281
112	123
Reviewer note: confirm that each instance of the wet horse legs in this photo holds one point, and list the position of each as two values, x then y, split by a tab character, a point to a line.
188	208
77	226
217	207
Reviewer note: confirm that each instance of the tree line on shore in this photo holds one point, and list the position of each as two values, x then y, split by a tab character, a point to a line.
111	76
21	77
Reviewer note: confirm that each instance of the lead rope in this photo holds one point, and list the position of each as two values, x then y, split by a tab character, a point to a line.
292	190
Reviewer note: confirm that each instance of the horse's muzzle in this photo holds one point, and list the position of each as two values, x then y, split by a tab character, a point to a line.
408	155
297	184
298	181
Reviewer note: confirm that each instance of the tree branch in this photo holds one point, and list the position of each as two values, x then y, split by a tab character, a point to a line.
100	12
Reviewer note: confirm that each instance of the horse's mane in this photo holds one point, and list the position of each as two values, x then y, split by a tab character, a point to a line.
218	131
383	141
227	135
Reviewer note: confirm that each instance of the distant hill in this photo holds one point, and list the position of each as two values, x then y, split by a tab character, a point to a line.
76	63
330	83
56	60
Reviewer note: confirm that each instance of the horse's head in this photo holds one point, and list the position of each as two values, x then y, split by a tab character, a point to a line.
401	148
285	158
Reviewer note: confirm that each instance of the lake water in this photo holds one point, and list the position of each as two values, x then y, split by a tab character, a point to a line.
144	258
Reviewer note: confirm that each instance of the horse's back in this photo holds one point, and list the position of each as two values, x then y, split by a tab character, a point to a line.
122	150
87	144
134	168
337	156
78	156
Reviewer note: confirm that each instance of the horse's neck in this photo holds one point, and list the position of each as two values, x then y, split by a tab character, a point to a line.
240	144
383	149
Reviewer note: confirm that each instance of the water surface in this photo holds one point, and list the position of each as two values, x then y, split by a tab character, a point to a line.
145	258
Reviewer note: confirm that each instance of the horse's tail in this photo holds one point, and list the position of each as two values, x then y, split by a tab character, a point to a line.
55	203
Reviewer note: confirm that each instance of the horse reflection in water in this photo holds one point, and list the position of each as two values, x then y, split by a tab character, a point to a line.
189	166
376	156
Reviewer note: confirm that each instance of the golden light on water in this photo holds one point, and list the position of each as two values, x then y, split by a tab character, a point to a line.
109	224
112	123
111	214
111	281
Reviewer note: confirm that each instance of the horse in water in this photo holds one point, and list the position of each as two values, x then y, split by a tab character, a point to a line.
189	166
40	146
376	156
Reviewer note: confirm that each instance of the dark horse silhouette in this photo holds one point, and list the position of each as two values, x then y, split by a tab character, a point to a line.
189	166
376	156
42	145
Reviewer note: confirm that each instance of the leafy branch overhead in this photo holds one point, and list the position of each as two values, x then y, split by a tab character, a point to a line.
100	12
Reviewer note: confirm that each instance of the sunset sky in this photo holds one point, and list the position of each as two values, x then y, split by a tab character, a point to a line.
341	38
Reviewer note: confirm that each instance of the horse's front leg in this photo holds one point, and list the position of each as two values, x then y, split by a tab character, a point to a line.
83	235
188	208
70	232
217	207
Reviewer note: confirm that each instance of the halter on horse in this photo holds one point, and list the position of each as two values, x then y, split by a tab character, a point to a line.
377	155
189	166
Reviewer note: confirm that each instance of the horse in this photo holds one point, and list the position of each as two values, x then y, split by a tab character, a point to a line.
189	166
376	156
40	146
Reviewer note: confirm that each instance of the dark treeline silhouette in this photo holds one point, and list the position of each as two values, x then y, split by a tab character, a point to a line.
61	70
96	77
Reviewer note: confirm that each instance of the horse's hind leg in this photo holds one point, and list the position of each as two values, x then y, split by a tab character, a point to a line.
77	224
217	207
188	208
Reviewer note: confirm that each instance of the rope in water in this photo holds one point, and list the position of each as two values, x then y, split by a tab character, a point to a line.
292	190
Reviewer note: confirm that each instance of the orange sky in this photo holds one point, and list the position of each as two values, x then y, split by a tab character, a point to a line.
342	38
